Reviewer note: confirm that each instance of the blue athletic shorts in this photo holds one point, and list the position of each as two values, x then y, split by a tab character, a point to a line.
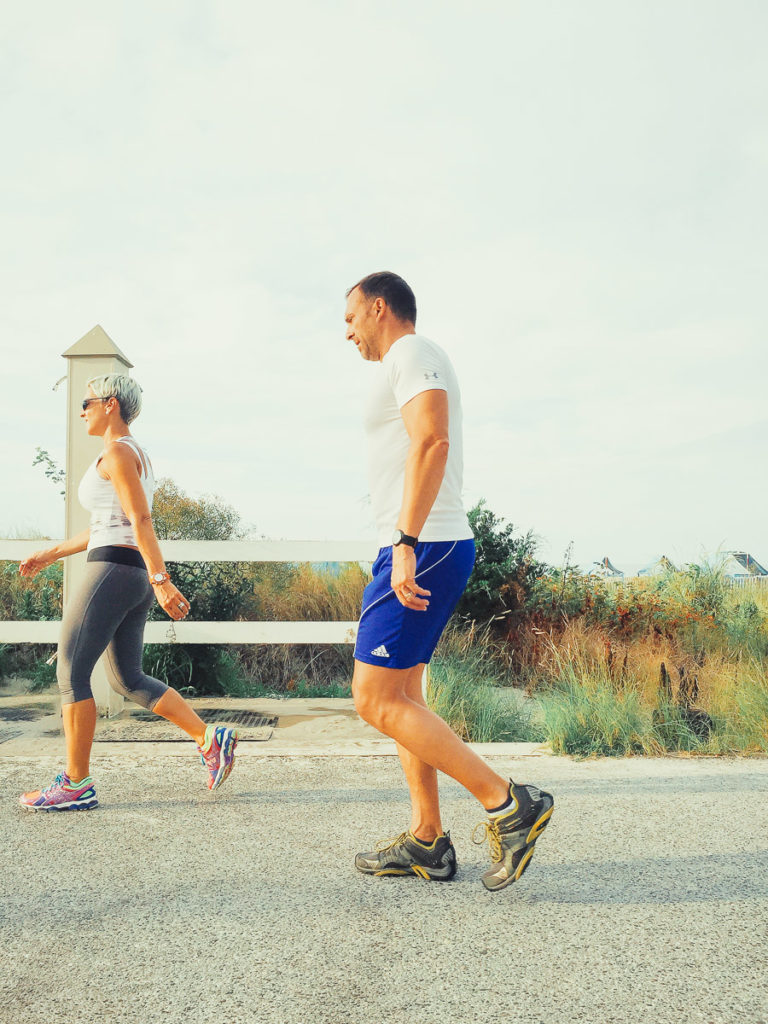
393	636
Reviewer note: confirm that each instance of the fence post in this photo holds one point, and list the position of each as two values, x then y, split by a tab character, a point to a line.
94	354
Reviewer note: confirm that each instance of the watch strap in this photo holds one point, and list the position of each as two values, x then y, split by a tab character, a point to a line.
405	538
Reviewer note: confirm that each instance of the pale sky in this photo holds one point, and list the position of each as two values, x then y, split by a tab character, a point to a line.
575	191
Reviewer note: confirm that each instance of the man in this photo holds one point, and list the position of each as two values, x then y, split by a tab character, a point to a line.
425	559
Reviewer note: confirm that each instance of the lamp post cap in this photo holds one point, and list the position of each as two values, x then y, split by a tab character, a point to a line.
97	343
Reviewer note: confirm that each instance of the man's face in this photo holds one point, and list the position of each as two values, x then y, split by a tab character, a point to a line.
363	324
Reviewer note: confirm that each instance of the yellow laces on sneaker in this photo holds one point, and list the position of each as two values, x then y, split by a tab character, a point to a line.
490	831
389	844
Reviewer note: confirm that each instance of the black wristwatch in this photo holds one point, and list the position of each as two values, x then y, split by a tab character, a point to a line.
398	537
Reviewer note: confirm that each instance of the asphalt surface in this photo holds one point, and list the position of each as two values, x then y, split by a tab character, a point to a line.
647	899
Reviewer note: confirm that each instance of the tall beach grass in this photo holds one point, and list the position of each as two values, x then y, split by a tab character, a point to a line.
463	688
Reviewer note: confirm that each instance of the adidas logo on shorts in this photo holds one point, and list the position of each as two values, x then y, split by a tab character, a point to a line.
381	651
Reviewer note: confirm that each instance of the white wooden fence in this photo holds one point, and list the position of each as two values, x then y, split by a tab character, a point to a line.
302	632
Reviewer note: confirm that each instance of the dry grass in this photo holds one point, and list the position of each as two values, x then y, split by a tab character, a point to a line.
648	695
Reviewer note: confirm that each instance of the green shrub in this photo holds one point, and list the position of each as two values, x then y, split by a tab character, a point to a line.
748	729
745	629
5	662
40	674
170	663
462	690
596	720
31	599
246	688
677	727
741	717
504	569
178	516
25	599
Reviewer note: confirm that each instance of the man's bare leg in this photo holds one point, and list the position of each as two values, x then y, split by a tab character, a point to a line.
381	700
421	777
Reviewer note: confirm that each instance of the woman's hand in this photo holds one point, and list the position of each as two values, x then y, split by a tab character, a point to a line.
38	560
171	600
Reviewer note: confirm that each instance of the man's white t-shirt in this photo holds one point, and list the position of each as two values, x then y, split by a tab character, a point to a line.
412	365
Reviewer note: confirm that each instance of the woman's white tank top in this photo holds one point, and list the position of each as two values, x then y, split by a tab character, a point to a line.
109	524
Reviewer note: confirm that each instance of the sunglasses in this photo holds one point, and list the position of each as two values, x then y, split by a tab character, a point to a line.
87	401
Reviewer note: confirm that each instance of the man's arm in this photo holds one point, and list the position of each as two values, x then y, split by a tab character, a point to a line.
426	420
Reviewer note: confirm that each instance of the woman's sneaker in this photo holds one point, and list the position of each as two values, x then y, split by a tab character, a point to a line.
406	855
218	753
512	835
62	795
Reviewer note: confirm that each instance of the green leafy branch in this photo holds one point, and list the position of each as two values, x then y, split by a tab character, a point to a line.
52	470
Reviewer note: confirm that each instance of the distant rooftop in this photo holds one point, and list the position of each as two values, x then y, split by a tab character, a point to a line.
605	570
740	564
733	564
659	567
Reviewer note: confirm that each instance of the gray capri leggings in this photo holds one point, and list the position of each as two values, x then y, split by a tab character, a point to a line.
107	614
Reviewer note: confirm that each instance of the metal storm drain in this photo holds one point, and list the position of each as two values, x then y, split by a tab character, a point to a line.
144	726
230	716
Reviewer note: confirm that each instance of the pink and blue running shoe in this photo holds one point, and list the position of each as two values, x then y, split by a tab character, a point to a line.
218	753
62	795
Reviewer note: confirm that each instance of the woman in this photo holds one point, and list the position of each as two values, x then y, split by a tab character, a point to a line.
124	575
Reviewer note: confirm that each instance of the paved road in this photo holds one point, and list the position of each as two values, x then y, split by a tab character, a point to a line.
647	899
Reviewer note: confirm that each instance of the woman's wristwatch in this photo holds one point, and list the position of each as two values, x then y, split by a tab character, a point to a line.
156	578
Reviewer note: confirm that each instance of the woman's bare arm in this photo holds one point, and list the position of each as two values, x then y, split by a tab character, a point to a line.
47	556
120	467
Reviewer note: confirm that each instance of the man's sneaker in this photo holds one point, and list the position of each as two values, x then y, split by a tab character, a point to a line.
512	836
62	795
405	855
218	753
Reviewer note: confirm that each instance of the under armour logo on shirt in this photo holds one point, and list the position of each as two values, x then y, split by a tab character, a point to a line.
431	376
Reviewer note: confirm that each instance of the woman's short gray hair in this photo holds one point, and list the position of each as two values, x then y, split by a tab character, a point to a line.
123	388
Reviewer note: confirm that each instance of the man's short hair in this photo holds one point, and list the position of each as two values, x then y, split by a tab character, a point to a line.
393	289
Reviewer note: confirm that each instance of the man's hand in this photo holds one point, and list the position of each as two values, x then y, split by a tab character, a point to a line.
403	583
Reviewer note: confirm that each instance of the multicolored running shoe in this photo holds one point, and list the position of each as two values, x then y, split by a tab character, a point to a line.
512	836
218	753
62	795
405	855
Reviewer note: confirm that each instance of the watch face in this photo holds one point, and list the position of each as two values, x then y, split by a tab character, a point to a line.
397	536
158	577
